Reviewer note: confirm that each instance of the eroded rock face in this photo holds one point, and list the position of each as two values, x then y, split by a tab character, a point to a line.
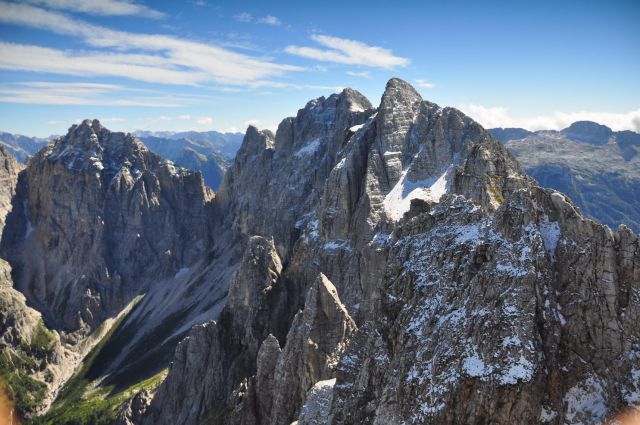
315	342
500	318
9	169
96	217
479	296
397	266
217	356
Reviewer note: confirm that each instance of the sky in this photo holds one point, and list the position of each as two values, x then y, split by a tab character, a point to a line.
216	65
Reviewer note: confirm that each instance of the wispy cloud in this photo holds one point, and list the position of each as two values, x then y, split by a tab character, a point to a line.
167	59
269	20
424	84
243	17
498	116
102	7
349	52
23	57
56	93
248	18
253	122
362	74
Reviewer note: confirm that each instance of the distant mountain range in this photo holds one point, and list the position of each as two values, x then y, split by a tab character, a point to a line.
597	167
22	147
225	143
209	152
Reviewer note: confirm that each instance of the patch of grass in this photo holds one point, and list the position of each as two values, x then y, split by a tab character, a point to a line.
41	342
80	404
24	391
97	408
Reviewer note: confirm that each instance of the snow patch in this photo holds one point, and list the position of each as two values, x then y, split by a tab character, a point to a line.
522	370
585	403
510	270
474	366
633	397
550	232
547	415
356	127
467	233
398	200
309	149
337	245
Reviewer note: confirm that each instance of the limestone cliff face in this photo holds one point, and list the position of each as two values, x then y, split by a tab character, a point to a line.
224	351
96	217
498	318
478	296
9	169
276	180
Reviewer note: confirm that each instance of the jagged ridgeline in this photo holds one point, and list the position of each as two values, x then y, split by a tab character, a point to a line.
386	265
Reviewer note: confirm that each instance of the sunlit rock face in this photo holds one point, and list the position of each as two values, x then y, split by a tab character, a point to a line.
465	292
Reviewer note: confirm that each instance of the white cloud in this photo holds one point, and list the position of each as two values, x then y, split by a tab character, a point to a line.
425	84
184	117
56	93
363	74
498	116
230	130
270	20
112	120
253	122
102	7
247	18
167	59
243	17
23	57
204	121
349	52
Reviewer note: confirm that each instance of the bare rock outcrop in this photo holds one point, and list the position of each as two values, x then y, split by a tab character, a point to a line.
96	217
216	357
9	169
479	297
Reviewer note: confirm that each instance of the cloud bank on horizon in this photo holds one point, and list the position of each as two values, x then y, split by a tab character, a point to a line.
232	64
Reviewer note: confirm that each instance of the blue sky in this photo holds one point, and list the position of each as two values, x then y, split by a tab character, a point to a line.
203	65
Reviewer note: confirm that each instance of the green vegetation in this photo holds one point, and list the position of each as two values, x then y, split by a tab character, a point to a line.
17	367
41	342
94	407
82	402
24	391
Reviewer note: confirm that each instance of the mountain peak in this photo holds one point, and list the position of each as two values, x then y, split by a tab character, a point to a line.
398	91
89	145
588	132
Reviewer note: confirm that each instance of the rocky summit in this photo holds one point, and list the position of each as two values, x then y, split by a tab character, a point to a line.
362	265
97	217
